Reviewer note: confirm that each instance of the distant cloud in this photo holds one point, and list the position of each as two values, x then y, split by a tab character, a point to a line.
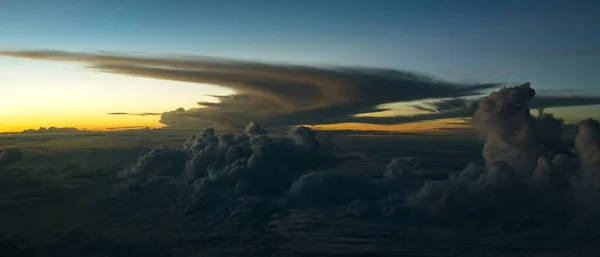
136	114
51	130
276	94
462	108
128	128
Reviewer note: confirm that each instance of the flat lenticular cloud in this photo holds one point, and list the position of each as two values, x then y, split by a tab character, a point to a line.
283	95
276	94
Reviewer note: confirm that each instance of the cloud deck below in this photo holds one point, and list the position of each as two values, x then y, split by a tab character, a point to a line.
254	194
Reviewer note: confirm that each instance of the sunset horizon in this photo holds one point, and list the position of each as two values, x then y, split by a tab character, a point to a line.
296	128
110	88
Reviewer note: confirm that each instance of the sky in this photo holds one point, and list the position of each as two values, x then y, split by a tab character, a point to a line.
552	44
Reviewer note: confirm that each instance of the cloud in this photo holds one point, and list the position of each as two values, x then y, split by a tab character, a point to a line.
463	108
276	94
51	130
8	156
249	164
528	179
511	133
526	183
226	193
128	128
136	114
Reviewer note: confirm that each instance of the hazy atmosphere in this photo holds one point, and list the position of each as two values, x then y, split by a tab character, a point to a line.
299	128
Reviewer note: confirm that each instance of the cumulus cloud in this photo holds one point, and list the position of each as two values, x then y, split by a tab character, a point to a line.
221	166
587	144
528	180
162	161
504	122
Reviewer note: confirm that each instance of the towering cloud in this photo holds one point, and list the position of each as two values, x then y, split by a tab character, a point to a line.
511	133
224	165
529	180
587	144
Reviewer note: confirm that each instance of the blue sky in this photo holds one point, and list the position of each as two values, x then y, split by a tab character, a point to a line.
553	44
457	39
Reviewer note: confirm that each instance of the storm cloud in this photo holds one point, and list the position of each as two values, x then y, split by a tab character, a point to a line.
526	167
281	95
277	94
256	193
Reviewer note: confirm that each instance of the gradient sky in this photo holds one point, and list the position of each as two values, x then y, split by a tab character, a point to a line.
553	44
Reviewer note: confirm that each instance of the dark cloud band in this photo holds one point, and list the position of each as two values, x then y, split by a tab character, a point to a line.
277	94
284	95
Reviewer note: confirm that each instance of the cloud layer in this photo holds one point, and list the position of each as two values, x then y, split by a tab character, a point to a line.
9	156
528	180
256	194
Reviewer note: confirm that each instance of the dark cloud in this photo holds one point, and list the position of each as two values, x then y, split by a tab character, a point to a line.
462	108
282	95
128	128
547	101
277	94
587	144
450	104
223	166
51	129
9	156
255	194
528	179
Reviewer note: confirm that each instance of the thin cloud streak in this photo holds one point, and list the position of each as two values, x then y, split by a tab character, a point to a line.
136	114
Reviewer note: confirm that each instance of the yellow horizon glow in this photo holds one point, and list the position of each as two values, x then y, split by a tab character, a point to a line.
37	94
126	122
424	126
96	122
56	94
